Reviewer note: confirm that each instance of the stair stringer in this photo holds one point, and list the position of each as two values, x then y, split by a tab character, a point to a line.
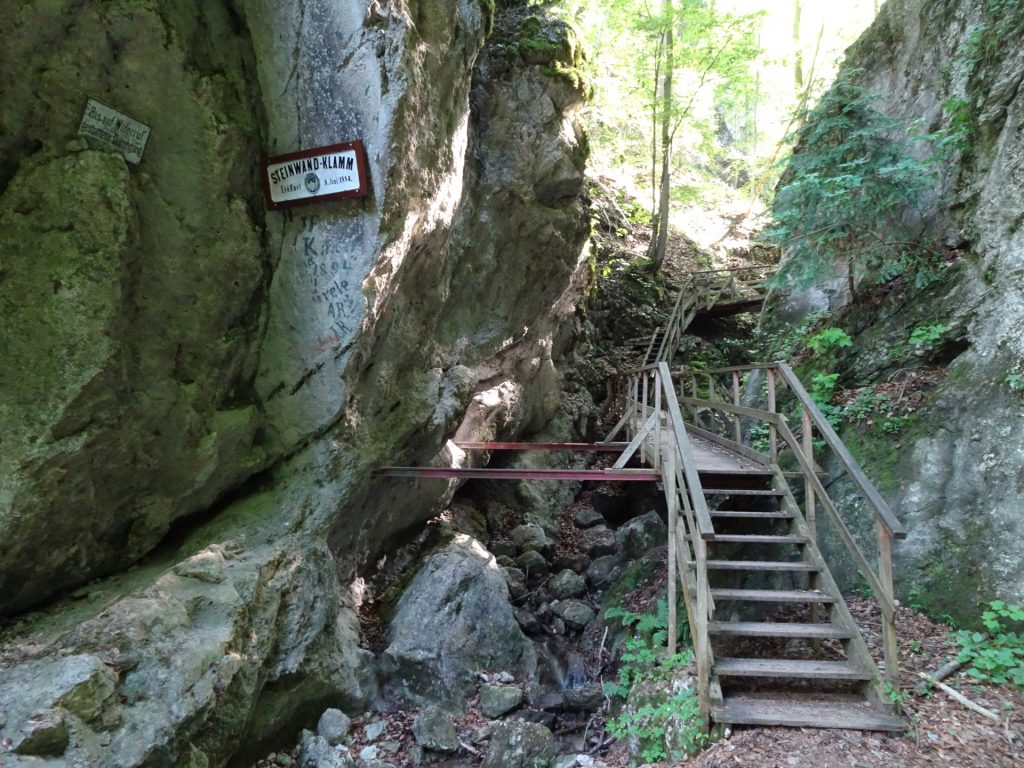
856	648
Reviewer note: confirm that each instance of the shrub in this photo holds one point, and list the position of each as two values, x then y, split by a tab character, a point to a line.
997	656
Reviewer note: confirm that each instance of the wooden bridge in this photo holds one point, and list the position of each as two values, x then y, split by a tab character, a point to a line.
774	640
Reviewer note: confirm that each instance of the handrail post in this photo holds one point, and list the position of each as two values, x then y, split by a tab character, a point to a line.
772	437
669	479
656	453
736	427
809	510
643	406
889	639
808	440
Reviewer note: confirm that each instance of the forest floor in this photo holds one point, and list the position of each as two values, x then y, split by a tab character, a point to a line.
940	732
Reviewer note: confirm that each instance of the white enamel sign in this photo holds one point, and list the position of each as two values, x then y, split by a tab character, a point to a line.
115	129
314	175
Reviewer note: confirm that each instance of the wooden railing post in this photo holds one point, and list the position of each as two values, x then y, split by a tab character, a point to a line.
736	424
808	440
643	401
772	437
672	499
889	639
656	453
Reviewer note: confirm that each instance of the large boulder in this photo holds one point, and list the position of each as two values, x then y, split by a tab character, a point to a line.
519	744
641	534
453	621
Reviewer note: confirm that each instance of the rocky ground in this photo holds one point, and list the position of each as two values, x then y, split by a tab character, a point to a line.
941	732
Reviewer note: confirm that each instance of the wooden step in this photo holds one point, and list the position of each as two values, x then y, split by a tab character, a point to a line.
804	711
760	565
800	669
777	629
758	538
772	595
753	515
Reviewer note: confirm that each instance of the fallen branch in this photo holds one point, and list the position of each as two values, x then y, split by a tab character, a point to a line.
941	673
959	697
601	745
469	749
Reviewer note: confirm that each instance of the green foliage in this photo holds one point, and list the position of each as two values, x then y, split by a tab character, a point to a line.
823	389
643	663
997	656
867	404
852	190
1015	381
828	339
896	695
959	132
927	336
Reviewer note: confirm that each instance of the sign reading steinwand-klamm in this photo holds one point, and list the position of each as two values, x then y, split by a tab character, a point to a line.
115	129
316	175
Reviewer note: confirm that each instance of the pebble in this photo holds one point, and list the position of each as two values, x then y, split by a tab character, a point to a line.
375	730
368	753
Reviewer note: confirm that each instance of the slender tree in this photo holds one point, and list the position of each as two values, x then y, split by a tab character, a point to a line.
798	52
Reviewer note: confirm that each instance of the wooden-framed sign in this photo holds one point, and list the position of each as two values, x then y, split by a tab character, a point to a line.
115	129
316	175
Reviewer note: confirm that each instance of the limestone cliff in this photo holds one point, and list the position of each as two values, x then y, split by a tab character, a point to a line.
955	473
200	388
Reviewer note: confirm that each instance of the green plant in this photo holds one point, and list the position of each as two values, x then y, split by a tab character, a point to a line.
997	656
663	707
896	695
759	437
925	337
823	387
867	404
828	339
894	424
1015	381
851	183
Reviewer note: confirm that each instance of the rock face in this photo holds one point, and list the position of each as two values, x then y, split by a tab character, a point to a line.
955	476
453	621
176	355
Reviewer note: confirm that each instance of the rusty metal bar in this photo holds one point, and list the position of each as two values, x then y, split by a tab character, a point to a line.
482	473
512	446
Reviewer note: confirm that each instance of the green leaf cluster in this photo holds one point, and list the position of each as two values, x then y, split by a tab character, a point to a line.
643	662
927	336
998	655
828	339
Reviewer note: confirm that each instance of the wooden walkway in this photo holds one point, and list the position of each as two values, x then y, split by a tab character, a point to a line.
743	533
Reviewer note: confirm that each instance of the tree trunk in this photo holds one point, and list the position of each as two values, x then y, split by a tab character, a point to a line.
798	52
659	245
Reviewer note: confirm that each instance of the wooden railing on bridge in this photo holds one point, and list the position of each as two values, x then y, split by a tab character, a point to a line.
729	421
661	409
739	289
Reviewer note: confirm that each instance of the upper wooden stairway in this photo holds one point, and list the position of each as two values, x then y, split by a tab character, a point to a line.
708	293
774	640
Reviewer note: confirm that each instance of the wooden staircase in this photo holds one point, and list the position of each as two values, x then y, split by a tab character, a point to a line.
774	640
812	669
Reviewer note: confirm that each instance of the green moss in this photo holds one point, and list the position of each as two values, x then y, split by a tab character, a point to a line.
487	6
571	75
882	453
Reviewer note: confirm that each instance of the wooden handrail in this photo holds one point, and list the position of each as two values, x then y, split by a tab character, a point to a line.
867	489
842	453
689	461
884	598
